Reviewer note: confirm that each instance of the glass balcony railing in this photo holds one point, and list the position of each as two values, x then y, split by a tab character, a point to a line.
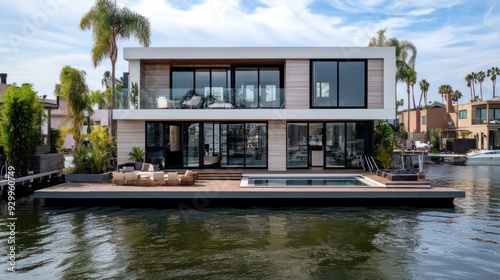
214	98
483	121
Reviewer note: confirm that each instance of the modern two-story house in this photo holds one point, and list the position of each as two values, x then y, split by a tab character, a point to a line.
273	108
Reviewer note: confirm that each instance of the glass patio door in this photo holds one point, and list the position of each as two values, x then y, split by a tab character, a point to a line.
335	145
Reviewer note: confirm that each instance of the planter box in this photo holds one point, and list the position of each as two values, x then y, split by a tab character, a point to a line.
47	162
89	178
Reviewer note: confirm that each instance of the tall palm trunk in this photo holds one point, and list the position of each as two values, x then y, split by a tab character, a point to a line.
420	100
114	55
413	96
481	89
494	82
408	91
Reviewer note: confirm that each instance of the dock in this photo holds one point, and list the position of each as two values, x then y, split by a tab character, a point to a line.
30	179
449	158
228	192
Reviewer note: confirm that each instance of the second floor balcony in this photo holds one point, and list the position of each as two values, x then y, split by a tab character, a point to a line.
484	121
249	97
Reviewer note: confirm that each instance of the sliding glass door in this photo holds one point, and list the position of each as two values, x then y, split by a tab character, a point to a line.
328	144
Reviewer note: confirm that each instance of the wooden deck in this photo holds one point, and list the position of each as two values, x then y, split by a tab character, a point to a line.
229	190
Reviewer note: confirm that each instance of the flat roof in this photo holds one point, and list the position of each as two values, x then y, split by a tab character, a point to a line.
138	53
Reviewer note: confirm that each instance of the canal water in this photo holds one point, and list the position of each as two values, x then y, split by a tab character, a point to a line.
262	243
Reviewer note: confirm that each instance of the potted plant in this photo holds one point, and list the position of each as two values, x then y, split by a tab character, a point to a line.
91	157
134	95
137	154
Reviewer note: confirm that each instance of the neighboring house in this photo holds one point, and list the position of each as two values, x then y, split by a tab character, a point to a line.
273	108
481	118
43	162
100	117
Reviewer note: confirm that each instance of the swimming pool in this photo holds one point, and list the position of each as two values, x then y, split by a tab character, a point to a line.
307	180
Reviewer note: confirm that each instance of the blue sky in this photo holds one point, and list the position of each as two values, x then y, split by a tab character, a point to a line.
453	38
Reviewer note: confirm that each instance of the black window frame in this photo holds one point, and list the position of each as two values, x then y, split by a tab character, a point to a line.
312	86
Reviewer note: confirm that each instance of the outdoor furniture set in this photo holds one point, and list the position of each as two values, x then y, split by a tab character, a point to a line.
147	176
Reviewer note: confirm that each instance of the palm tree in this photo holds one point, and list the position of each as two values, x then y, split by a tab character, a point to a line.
409	76
380	40
493	72
105	78
468	79
109	23
400	103
406	52
473	80
74	90
444	90
480	78
413	81
424	87
455	96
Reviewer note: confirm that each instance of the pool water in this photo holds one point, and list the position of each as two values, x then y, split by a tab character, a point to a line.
338	181
309	182
303	180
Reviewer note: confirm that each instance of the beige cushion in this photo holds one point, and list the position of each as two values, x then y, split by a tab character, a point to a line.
172	176
158	176
145	167
151	168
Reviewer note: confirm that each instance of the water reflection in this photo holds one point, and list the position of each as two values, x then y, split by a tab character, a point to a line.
297	243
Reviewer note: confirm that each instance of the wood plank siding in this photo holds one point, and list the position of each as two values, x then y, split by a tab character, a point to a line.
375	84
297	84
277	145
156	76
129	134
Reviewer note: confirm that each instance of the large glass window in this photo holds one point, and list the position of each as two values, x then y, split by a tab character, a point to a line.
256	145
211	83
297	146
330	144
494	115
211	144
351	83
202	82
191	144
182	83
269	84
155	142
246	82
480	115
258	87
244	145
325	84
335	145
338	84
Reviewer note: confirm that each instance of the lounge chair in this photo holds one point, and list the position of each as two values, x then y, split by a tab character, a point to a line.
130	178
187	179
158	178
118	178
172	179
146	167
162	102
193	103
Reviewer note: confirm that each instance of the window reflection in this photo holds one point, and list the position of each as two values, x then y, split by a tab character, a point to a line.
338	84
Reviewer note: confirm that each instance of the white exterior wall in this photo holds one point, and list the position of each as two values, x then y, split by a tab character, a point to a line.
129	134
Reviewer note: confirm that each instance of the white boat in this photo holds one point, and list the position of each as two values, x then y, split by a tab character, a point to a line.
483	157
